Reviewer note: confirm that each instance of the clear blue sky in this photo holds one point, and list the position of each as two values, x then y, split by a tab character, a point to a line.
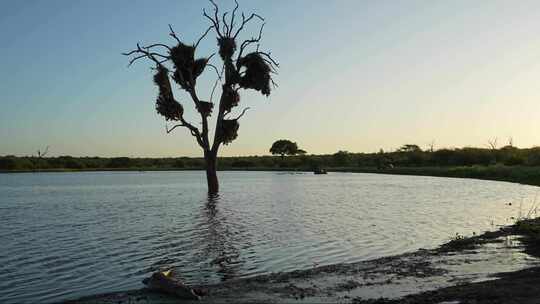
355	75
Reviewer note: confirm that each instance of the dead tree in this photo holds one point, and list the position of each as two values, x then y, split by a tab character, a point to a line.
431	146
241	69
492	145
37	160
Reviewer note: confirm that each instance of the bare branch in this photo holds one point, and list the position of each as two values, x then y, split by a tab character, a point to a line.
245	21
174	127
215	19
216	10
173	34
147	54
215	24
269	57
215	68
246	43
213	89
225	25
431	146
42	154
134	59
159	55
156	44
273	82
242	114
130	53
204	35
204	137
232	18
215	83
492	143
192	129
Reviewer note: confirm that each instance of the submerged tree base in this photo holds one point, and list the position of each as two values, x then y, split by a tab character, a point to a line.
495	267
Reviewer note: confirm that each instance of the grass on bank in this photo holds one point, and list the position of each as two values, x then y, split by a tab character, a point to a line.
526	225
519	174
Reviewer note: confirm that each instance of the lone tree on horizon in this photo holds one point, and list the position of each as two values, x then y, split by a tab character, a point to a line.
36	161
242	71
284	147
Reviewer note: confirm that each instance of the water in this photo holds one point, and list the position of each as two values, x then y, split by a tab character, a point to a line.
66	235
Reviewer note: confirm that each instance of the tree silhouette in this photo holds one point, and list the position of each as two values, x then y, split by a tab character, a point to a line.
492	145
36	161
242	71
431	146
285	147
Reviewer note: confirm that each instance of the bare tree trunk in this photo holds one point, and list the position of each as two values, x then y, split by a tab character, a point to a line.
211	172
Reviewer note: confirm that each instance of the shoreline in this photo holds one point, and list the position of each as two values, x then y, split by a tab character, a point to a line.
501	266
514	174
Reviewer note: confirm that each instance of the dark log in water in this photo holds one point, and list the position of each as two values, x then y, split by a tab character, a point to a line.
164	282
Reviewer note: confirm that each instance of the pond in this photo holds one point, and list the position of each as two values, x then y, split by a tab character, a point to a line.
66	235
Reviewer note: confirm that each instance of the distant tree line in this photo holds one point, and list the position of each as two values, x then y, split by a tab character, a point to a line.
406	156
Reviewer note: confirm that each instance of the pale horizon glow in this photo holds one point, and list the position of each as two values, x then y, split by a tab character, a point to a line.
354	75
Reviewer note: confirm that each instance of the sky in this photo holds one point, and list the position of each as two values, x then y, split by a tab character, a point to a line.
354	75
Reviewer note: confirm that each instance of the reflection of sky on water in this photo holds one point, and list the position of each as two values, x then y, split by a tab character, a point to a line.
70	234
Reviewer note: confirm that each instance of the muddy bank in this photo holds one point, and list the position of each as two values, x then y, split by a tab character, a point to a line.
522	286
481	269
519	287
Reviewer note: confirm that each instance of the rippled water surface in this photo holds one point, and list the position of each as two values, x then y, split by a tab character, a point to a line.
66	235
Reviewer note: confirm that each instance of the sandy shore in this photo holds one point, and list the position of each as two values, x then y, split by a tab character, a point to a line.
496	267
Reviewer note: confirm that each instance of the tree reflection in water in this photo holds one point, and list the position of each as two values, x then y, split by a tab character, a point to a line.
220	241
